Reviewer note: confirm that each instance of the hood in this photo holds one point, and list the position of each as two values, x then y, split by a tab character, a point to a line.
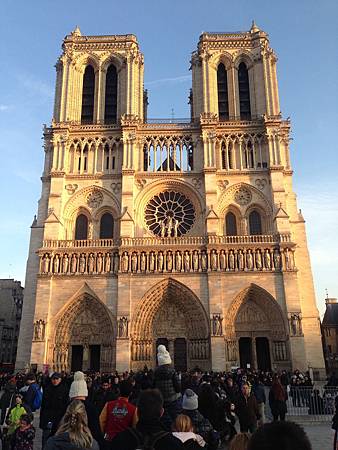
62	442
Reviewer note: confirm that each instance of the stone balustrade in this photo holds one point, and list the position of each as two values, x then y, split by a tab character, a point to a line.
226	258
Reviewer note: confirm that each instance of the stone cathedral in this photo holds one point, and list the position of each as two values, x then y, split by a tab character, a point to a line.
179	232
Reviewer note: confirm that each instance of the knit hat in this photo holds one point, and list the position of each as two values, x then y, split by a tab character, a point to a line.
79	386
190	400
163	356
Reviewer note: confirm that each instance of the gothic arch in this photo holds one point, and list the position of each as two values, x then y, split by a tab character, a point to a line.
170	290
245	57
87	59
262	311
224	58
116	60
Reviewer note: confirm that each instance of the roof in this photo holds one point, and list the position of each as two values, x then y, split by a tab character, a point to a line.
331	313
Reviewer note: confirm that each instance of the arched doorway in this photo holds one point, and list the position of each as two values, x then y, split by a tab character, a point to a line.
256	332
172	315
84	336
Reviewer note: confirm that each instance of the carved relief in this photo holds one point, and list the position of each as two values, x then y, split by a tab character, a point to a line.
260	183
94	198
242	196
39	330
123	327
71	188
222	185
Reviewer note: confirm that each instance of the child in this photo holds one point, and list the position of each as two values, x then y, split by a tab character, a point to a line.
24	435
13	420
184	431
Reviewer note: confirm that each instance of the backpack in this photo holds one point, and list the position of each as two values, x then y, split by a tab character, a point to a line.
146	441
37	397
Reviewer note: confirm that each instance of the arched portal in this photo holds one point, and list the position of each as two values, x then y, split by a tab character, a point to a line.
256	332
171	311
84	336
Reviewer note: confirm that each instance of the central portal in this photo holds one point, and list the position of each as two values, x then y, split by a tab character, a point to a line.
170	314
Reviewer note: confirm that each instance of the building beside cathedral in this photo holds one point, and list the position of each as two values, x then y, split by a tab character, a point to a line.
185	233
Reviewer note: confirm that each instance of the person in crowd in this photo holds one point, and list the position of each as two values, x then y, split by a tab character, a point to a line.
231	389
277	400
211	407
168	383
24	435
316	403
7	400
79	391
119	414
183	429
53	405
259	393
240	441
279	436
103	395
201	425
246	408
73	432
32	392
149	431
13	419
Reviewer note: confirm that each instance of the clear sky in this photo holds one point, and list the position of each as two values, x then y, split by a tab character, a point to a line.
304	34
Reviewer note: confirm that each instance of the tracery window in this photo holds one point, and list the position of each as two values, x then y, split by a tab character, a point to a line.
106	226
255	223
81	227
169	214
88	89
222	90
244	92
231	224
165	155
110	112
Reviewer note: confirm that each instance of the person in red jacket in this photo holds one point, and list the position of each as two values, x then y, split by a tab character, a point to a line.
119	414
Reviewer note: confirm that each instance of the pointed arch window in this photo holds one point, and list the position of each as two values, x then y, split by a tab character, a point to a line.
255	223
88	90
244	92
81	227
106	226
222	90
231	224
110	112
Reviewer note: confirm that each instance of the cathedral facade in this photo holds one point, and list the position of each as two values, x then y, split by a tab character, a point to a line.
179	232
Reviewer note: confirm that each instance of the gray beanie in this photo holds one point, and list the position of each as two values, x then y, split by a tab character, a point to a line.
190	400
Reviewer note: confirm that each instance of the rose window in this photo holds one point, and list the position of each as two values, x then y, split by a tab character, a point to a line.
169	214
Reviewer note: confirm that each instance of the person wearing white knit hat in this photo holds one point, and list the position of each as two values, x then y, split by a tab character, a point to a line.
79	391
168	382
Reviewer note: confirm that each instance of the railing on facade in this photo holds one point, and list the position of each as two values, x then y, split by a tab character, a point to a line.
308	403
168	241
172	120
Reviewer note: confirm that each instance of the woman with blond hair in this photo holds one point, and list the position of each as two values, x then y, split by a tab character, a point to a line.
184	431
240	441
73	432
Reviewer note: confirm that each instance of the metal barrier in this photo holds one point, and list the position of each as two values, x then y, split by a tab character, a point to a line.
310	404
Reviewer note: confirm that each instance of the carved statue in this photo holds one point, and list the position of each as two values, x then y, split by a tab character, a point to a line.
258	260
213	260
134	262
143	262
91	263
163	228
160	260
222	260
267	259
186	261
204	261
116	262
217	320
45	265
169	261
231	260
151	262
107	262
249	260
65	263
176	224
178	261
288	259
122	328
56	263
195	262
39	330
240	259
277	259
170	226
295	325
125	262
82	263
99	263
73	263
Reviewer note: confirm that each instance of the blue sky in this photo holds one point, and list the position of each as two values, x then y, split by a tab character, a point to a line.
304	34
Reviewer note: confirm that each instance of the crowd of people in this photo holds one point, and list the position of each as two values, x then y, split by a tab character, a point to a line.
156	409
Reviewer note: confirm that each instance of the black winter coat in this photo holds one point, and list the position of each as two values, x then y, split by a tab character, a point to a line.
101	397
247	409
53	405
62	442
